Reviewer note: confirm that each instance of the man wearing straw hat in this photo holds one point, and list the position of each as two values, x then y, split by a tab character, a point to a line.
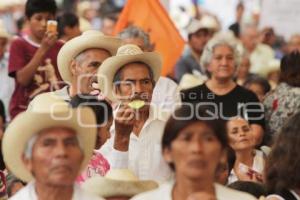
79	59
48	145
129	79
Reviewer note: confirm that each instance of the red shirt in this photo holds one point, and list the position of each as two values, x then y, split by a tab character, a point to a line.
22	51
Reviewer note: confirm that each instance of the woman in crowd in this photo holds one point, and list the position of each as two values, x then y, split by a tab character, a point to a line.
221	92
284	101
249	163
193	145
259	85
283	163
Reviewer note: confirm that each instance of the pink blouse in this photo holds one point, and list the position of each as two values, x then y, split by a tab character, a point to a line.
98	166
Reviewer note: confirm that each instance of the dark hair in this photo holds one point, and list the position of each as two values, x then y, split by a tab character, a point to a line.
2	112
111	16
205	30
101	108
283	163
187	115
67	19
260	81
256	189
290	69
36	6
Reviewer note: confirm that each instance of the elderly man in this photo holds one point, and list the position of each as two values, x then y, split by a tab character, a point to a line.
260	54
166	93
48	146
79	59
129	79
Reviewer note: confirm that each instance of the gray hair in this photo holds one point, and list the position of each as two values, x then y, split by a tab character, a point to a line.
29	145
220	40
136	32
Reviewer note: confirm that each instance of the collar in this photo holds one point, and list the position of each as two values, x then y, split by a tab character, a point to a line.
27	39
64	93
295	194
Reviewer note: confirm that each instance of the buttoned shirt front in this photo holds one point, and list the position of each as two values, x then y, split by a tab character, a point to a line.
144	155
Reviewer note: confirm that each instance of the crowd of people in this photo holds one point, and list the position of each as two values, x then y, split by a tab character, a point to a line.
85	114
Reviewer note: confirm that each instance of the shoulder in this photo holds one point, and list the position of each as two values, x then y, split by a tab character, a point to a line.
243	92
19	42
197	88
163	192
81	194
265	50
23	193
59	44
224	193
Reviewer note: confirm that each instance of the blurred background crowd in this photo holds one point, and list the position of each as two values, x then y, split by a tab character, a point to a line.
268	65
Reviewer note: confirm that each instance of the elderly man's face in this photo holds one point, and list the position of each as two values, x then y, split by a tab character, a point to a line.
84	69
56	157
135	83
250	38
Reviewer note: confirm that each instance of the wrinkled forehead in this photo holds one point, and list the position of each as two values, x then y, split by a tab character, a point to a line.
99	51
56	133
136	69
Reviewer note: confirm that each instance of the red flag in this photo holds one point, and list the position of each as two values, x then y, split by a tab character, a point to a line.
151	16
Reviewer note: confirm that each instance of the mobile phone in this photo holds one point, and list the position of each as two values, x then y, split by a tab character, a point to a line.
52	26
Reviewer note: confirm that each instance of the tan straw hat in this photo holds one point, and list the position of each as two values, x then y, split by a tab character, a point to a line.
118	183
126	54
87	40
46	111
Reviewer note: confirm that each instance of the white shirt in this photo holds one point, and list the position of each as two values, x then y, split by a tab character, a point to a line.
144	155
164	192
28	193
260	58
166	94
258	166
7	84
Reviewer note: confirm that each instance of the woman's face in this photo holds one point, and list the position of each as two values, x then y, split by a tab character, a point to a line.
258	90
222	65
195	152
240	135
243	69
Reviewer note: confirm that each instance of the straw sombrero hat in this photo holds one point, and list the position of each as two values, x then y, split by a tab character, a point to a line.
126	54
87	40
118	183
46	111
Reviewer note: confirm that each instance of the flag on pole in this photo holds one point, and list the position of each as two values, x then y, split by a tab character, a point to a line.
151	16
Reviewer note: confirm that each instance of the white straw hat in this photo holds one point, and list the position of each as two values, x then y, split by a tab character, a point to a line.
46	111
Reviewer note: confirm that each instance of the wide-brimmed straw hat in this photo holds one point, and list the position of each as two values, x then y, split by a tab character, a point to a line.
46	111
206	22
87	40
118	183
126	54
